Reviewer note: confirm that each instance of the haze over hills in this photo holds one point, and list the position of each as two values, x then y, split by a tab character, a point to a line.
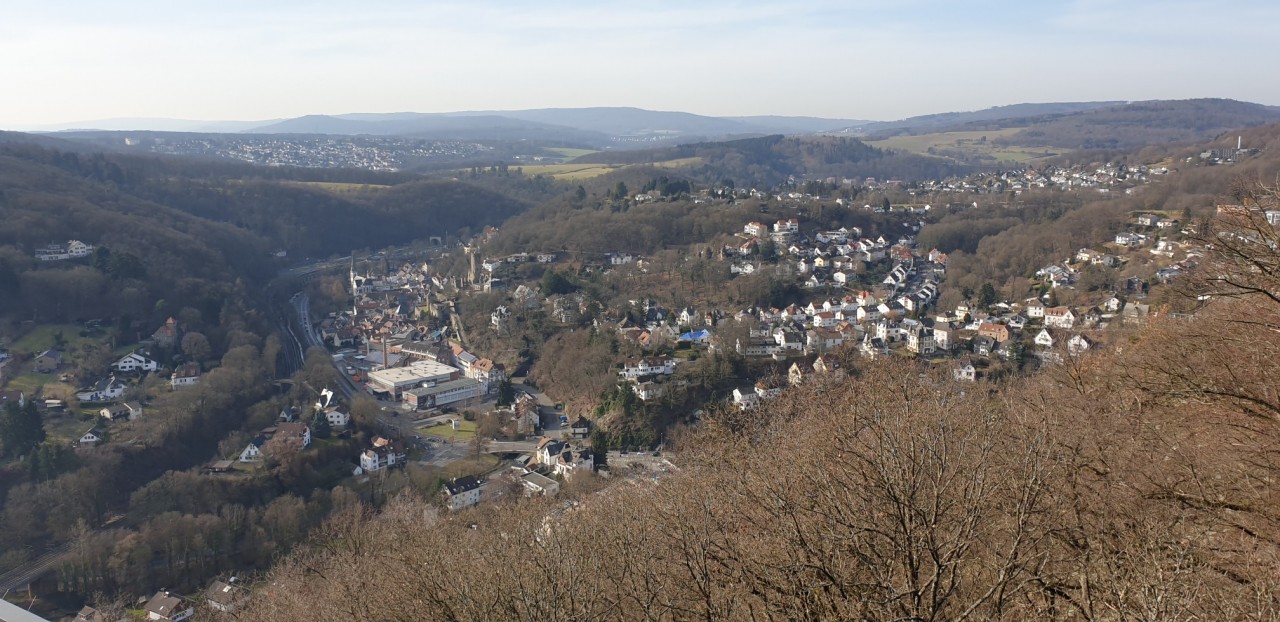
435	141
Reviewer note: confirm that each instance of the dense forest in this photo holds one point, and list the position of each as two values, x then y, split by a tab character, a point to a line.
770	160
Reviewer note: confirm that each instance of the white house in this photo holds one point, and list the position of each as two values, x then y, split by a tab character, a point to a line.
105	390
126	410
746	398
1078	344
462	492
1044	339
135	361
638	366
92	437
185	375
253	451
384	454
964	371
1059	317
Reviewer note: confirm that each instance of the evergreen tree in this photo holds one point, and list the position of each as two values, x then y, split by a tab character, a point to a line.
506	393
320	427
21	428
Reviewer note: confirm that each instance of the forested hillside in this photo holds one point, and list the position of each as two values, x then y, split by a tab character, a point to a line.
770	160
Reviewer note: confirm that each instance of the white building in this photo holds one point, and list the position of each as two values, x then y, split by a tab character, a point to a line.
135	361
462	492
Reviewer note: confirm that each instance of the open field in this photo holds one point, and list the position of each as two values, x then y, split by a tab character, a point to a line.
568	153
337	187
976	144
475	465
466	430
570	172
30	382
42	338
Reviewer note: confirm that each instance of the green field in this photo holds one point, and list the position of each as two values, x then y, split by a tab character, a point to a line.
466	430
570	154
970	144
42	338
30	383
570	172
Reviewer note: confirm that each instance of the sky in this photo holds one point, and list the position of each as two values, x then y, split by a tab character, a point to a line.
66	61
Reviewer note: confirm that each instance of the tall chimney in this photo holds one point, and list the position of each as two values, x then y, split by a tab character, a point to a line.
1239	142
384	354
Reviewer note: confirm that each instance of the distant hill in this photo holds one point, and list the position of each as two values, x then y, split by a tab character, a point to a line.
768	160
595	126
949	120
436	126
1092	125
1139	124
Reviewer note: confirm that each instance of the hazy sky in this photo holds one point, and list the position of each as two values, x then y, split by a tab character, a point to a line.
861	59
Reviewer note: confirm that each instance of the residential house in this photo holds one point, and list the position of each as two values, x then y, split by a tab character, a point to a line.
998	332
1044	338
943	337
746	398
539	484
1128	238
169	335
499	318
797	372
226	597
964	370
135	361
488	373
637	366
823	339
185	375
1059	317
648	390
1148	220
581	428
384	453
13	397
920	340
1078	344
699	337
253	451
548	450
92	437
983	345
462	492
1135	313
1035	309
104	390
125	410
89	614
570	462
755	229
48	361
166	607
295	431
